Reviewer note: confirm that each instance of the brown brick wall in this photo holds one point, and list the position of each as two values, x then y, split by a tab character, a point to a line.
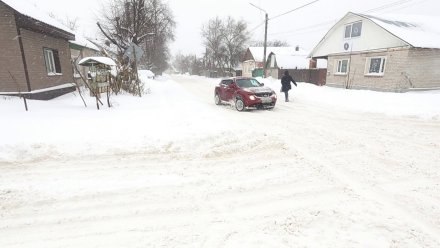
405	68
34	43
10	55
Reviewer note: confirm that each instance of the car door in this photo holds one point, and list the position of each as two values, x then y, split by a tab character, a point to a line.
225	88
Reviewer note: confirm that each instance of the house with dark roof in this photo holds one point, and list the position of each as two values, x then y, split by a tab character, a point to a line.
34	53
385	53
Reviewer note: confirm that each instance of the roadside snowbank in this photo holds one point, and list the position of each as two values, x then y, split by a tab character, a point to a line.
169	118
418	104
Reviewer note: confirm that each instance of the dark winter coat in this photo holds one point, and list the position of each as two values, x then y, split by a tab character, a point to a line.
285	82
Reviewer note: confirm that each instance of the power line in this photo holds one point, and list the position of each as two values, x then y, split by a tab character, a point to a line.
256	27
386	6
382	7
318	25
290	11
403	7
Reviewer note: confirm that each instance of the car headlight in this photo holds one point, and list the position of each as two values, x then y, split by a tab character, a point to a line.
274	95
253	98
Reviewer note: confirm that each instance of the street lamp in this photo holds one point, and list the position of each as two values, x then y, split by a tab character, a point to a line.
265	37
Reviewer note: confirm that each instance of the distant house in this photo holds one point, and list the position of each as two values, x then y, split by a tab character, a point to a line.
276	58
282	59
34	52
79	49
386	53
253	59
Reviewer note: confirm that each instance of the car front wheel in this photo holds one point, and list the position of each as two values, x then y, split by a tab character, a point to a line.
239	104
217	99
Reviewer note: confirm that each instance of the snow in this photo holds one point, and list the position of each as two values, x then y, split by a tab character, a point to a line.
61	86
30	10
147	73
93	60
418	31
292	62
257	52
84	42
331	168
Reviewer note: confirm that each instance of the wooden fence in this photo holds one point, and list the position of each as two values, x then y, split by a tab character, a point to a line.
313	76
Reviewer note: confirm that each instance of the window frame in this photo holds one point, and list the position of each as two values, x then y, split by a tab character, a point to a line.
52	62
382	66
338	65
350	25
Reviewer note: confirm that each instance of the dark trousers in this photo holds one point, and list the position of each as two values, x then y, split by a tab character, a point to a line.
286	94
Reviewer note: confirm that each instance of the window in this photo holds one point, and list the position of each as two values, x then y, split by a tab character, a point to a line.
52	60
375	66
342	66
353	30
226	82
248	83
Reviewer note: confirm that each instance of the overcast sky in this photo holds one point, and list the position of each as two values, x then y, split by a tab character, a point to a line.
303	27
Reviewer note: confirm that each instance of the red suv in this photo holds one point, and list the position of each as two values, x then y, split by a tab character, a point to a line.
245	93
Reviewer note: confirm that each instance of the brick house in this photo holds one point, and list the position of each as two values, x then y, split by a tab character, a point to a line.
34	53
386	53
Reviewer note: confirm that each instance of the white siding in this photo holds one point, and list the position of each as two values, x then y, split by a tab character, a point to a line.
373	37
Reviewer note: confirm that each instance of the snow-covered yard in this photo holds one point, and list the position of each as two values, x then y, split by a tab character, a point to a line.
332	168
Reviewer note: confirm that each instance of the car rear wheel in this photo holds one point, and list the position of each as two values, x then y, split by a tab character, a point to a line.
239	104
217	99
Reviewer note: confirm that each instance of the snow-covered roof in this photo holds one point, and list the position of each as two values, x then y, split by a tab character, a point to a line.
84	42
27	9
418	31
292	62
93	60
257	52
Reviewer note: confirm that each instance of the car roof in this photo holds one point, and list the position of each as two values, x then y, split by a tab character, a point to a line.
232	78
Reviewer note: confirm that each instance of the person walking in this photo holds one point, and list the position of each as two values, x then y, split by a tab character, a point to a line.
285	84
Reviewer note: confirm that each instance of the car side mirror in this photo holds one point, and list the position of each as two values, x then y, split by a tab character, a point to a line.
262	84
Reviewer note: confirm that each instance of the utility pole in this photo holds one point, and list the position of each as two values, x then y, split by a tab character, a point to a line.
265	37
265	46
265	29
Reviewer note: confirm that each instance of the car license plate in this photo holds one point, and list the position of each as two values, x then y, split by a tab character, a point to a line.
266	100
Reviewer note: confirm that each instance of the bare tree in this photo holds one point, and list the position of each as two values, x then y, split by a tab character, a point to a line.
71	23
161	31
235	36
146	23
213	34
224	42
188	64
272	43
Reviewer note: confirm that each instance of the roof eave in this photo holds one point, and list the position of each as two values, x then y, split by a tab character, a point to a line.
32	24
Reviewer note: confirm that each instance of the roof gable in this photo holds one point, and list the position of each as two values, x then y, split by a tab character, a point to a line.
379	33
418	31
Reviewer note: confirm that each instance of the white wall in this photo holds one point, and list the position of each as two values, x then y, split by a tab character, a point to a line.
373	37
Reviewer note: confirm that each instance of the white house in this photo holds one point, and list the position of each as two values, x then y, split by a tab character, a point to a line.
387	52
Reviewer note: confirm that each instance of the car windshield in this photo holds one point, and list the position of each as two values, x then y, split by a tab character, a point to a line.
248	83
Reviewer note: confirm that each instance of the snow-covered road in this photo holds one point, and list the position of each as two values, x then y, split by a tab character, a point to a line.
305	174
